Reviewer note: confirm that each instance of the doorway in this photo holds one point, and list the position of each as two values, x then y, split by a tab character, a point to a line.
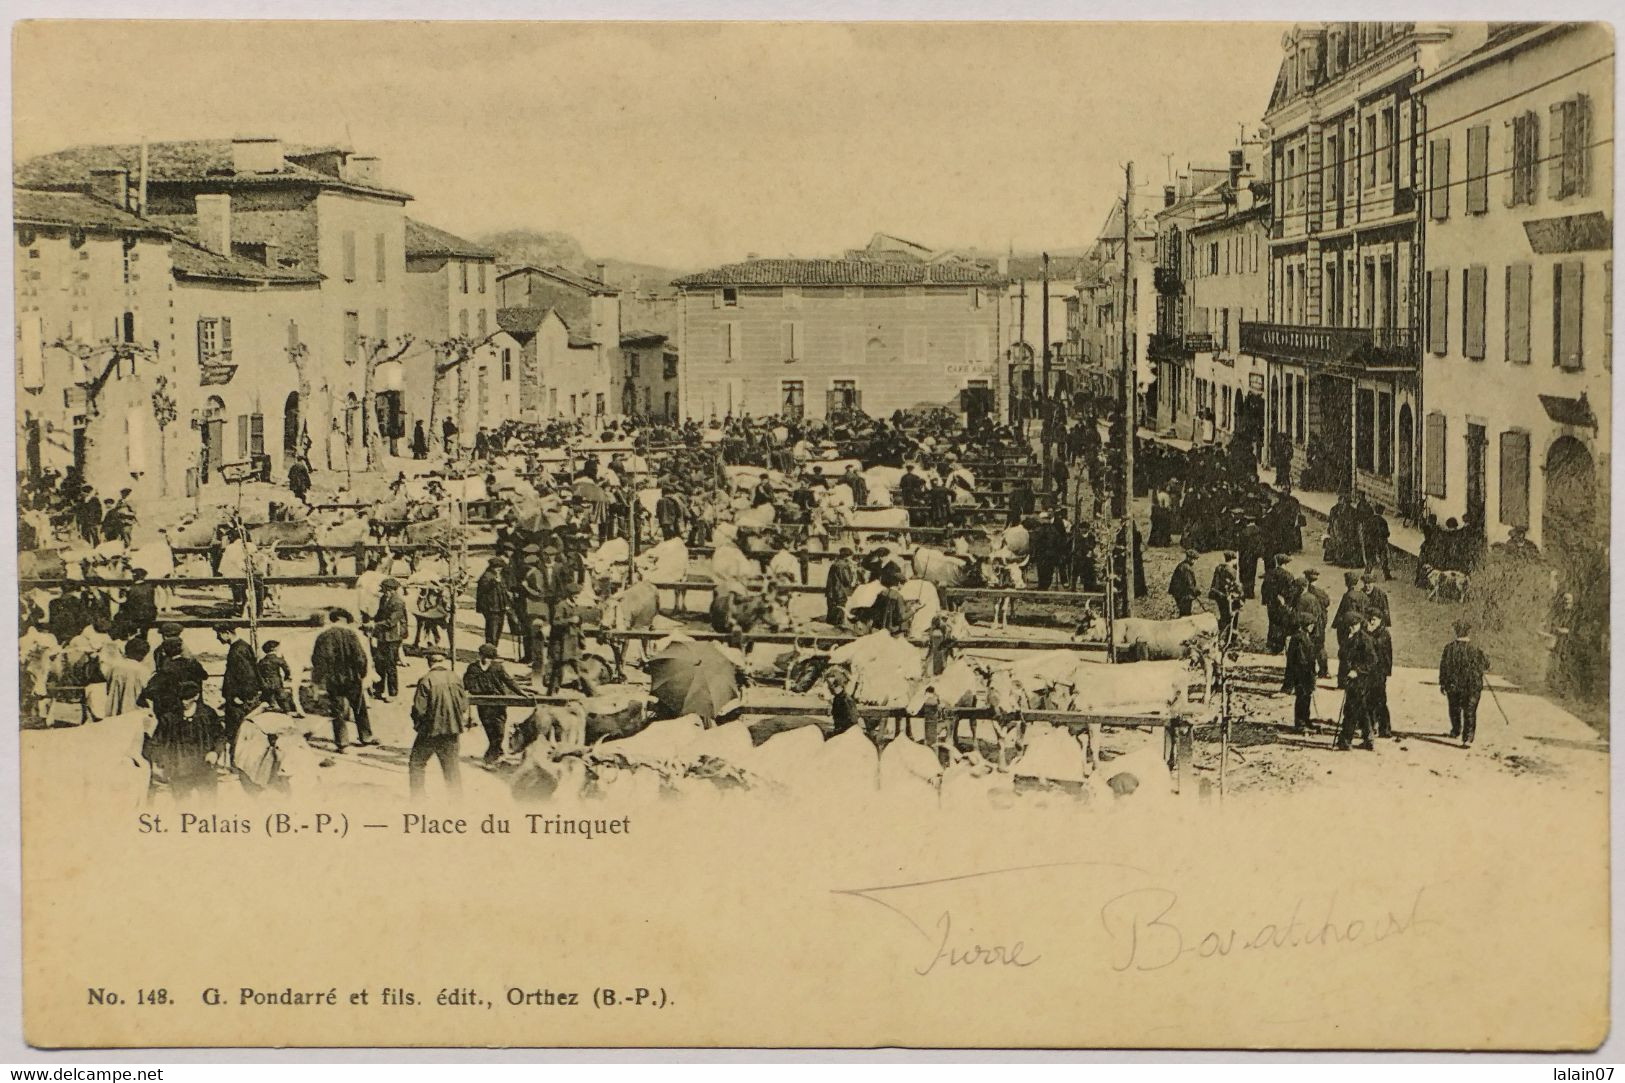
214	438
1407	462
290	428
1477	464
1569	514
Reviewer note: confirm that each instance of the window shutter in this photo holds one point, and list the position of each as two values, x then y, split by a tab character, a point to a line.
1515	479
1478	168
1517	321
1570	294
1474	303
1433	465
378	256
1512	130
202	342
787	341
1438	312
1439	180
256	434
225	338
242	437
349	256
1580	180
1554	151
293	336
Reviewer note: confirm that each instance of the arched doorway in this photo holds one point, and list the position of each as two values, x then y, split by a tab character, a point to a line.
290	427
213	433
1407	460
1569	513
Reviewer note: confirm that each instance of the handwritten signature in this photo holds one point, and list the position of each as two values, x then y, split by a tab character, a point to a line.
1143	926
1146	935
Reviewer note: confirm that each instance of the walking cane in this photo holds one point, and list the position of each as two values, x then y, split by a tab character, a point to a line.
1498	706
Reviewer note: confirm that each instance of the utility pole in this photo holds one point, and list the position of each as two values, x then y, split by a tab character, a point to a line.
1131	421
1044	422
1024	359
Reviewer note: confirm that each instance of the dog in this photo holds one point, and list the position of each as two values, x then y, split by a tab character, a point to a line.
1441	582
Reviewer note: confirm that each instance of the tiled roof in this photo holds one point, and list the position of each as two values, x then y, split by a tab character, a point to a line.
184	161
521	321
1031	267
585	283
839	272
423	239
192	260
74	209
641	338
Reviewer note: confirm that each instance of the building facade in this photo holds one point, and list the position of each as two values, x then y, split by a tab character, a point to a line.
1022	318
812	337
1518	353
1193	197
582	382
648	376
1342	332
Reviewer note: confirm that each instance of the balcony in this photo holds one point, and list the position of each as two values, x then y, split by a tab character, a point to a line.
1333	347
1166	279
1167	348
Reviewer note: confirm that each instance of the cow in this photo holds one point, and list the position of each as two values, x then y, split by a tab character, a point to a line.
631	609
756	518
942	569
744	610
1161	639
1443	581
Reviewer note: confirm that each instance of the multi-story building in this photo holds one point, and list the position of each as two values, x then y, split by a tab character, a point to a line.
648	376
1098	332
92	300
559	377
317	210
1518	353
808	337
581	383
1194	196
1225	281
1342	333
461	364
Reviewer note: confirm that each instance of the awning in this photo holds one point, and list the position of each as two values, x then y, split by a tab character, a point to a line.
1566	411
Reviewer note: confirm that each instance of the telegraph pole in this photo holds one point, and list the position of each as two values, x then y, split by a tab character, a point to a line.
1131	421
1044	409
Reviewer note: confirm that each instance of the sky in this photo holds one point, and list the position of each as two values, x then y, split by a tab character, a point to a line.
687	145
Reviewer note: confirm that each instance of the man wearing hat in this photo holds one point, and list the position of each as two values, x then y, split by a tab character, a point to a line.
388	633
1182	586
1376	599
1322	603
338	663
173	666
1302	662
492	599
139	611
1225	590
187	742
240	687
439	715
1275	591
486	677
87	514
1350	618
1461	679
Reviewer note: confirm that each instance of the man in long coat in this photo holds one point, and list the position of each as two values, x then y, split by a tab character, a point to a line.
1182	585
839	583
338	663
439	715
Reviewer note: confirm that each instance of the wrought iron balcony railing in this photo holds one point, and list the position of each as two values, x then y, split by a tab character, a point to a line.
1362	347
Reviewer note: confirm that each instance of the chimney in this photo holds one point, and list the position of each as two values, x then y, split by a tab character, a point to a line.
1169	195
111	186
214	223
365	169
256	154
1237	163
603	273
269	253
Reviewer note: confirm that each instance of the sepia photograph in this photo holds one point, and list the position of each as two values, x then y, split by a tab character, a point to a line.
1081	535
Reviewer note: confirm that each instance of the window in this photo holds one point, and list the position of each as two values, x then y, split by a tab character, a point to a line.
844	395
1570	150
214	340
1523	153
598	404
1370	148
793	398
381	322
507	363
1568	290
791	333
1213	258
730	341
730	297
1303	407
378	256
647	397
1517	314
1515	479
348	249
632	366
1291	177
1438	312
1385	433
1433	451
1387	160
1472	312
1478	169
482	325
1439	179
352	337
482	277
1365	425
670	367
1368	291
1351	162
462	271
462	323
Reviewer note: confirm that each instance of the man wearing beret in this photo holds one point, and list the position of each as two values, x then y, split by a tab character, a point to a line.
187	743
389	632
486	677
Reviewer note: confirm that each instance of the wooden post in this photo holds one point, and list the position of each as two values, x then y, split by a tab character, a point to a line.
1131	420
